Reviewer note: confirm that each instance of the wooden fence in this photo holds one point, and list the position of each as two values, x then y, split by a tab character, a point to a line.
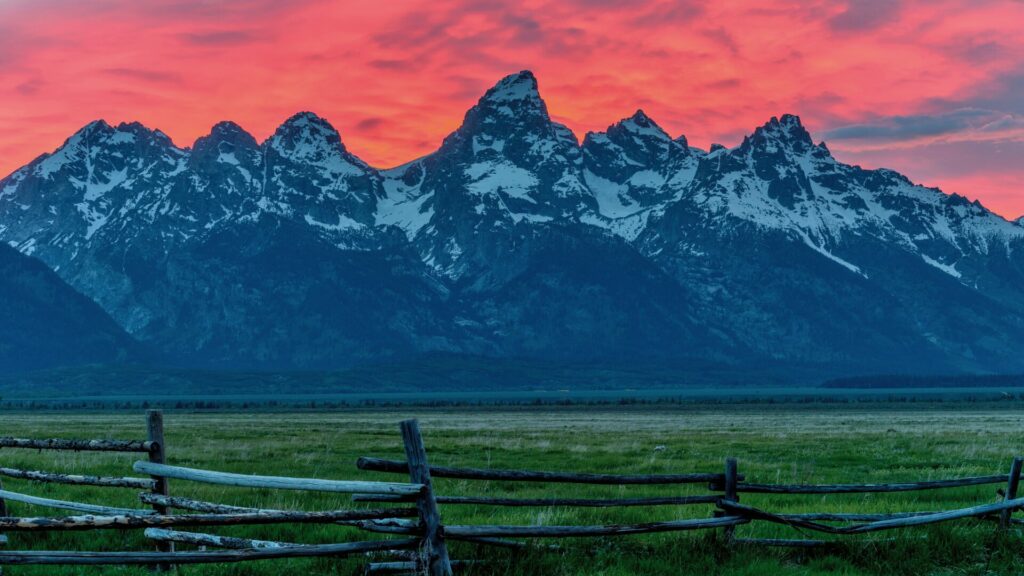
157	520
416	535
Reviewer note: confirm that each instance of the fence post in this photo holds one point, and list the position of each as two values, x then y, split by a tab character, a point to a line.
730	492
1012	483
433	550
3	512
158	455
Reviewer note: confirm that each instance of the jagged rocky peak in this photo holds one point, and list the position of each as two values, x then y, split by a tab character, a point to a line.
231	132
645	141
786	132
519	88
99	133
226	143
513	102
310	139
642	124
98	148
1020	221
511	122
305	130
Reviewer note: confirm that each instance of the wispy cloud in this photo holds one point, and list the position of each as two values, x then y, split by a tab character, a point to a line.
877	78
219	37
964	124
863	15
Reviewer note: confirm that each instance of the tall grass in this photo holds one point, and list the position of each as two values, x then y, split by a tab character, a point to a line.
782	443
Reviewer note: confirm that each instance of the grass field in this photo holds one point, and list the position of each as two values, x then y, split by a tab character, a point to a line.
774	443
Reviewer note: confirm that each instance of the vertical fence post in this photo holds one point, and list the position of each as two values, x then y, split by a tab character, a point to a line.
158	455
730	492
1012	483
3	512
433	550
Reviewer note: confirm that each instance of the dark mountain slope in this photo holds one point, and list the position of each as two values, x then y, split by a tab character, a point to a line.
45	323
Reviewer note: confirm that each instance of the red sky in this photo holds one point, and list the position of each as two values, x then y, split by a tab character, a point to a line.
933	89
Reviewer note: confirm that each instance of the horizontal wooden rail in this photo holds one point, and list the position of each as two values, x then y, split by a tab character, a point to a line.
578	531
398	466
862	488
785	543
202	557
75	506
78	445
12	524
386	525
889	524
213	540
852	517
195	505
573	502
57	478
408	567
810	543
381	525
275	482
499	542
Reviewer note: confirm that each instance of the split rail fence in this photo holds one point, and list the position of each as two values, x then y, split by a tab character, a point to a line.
416	538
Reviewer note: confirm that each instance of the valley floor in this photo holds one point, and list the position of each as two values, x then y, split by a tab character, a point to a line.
774	444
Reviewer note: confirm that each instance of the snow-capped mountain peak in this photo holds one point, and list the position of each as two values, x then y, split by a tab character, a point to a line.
642	125
224	143
308	138
785	133
518	87
228	130
632	168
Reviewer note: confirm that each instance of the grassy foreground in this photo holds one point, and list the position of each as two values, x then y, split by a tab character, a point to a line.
780	443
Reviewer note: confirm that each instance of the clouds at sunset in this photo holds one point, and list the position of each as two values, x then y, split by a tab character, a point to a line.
932	89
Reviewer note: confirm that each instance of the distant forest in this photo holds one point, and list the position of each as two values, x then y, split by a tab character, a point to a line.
910	381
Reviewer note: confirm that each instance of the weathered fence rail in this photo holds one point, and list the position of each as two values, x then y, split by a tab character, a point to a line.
381	465
275	482
64	505
550	502
55	478
204	557
887	524
864	488
78	445
416	518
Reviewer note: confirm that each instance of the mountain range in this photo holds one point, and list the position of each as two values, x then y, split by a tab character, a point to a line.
513	240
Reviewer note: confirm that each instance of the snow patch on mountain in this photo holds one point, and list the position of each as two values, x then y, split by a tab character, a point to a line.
778	179
501	177
947	268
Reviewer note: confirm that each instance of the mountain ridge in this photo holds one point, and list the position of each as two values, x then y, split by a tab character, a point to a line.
514	238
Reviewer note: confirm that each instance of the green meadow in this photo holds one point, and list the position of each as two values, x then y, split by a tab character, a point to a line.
781	443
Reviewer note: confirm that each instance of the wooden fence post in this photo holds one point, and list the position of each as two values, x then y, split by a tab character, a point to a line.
158	455
3	512
1012	483
730	493
433	550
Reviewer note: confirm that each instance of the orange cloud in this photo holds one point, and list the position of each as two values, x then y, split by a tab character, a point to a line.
395	78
